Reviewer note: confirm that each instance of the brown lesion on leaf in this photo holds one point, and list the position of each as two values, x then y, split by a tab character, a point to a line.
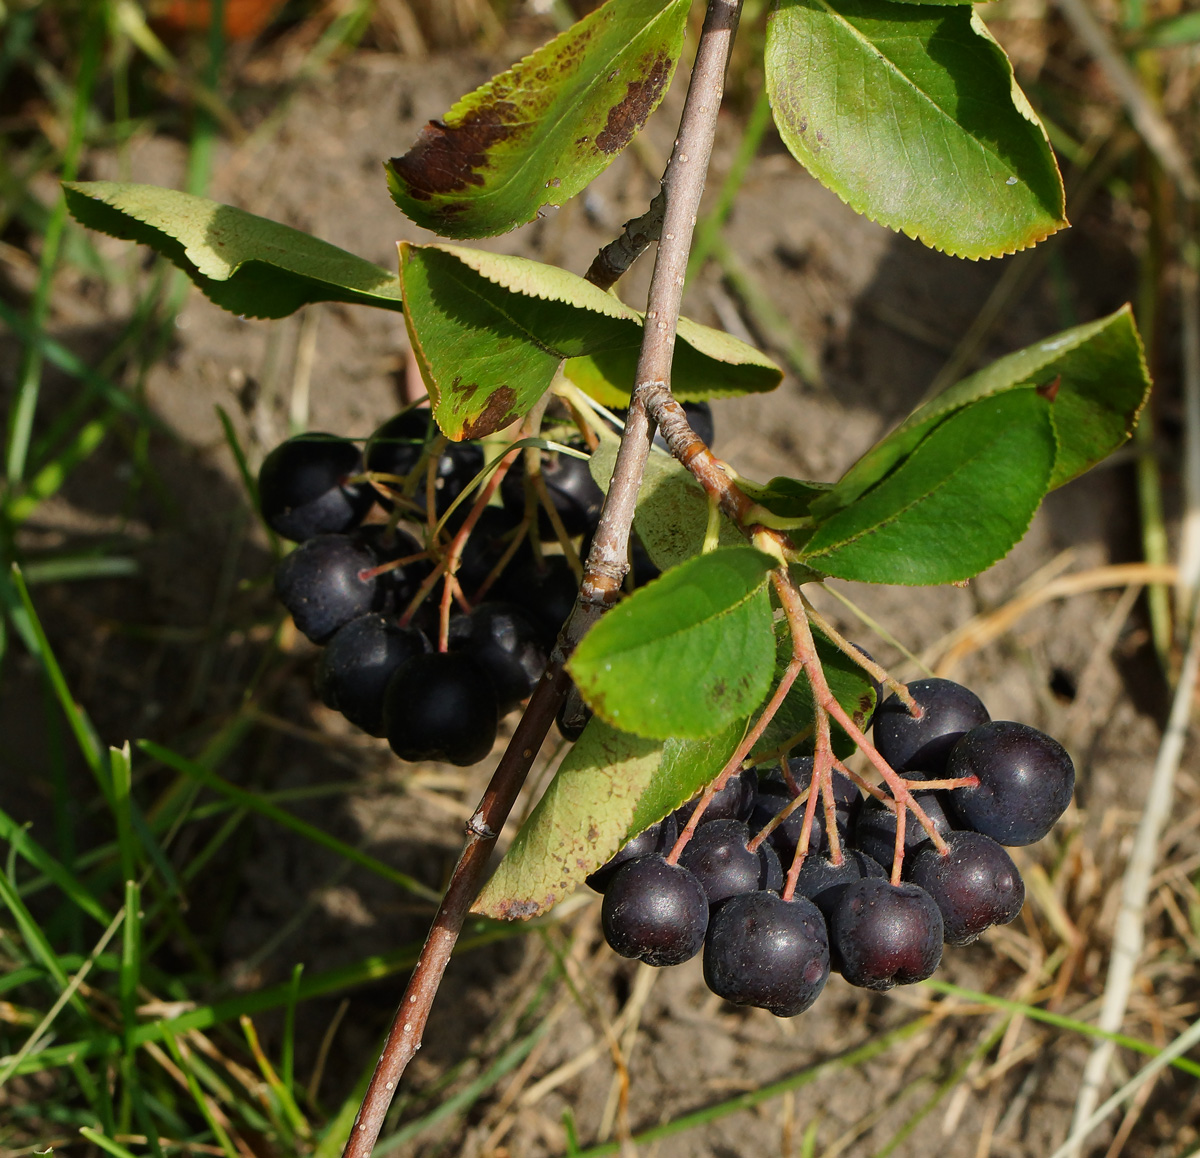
514	910
641	96
448	158
499	412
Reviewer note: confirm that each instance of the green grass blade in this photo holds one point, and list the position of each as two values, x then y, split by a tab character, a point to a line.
186	1065
81	726
256	803
49	480
28	849
29	374
71	568
106	1144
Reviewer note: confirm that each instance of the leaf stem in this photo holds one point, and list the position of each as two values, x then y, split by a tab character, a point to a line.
607	563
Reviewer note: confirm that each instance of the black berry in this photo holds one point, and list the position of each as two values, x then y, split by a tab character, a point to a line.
875	824
767	952
734	802
974	885
907	744
886	934
303	489
719	859
545	591
396	449
441	707
576	497
655	912
321	583
1026	780
499	638
358	663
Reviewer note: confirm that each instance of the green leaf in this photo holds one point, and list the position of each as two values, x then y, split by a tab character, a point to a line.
672	509
911	114
851	686
245	264
610	787
1183	28
540	132
956	504
491	331
685	655
1097	373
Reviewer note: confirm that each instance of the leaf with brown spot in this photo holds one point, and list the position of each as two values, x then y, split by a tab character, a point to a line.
540	132
490	332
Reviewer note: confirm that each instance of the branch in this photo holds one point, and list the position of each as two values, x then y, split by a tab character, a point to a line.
683	183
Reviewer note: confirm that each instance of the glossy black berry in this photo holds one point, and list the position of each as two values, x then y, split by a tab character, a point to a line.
910	745
657	840
767	952
490	538
500	638
719	859
398	584
576	497
322	584
974	885
1026	780
886	934
655	912
875	824
359	661
441	707
303	489
700	418
396	449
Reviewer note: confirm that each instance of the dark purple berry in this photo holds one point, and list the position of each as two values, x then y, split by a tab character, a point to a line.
358	663
303	489
569	483
908	745
974	885
441	707
822	881
321	583
875	824
657	840
485	547
764	951
719	859
499	638
399	584
655	912
1026	780
886	934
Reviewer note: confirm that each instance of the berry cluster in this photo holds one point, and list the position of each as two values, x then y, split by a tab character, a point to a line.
368	578
770	937
368	588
